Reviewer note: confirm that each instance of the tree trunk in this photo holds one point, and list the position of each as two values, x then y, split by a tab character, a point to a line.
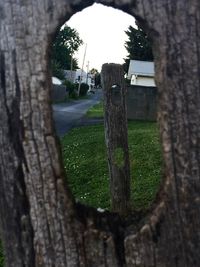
116	135
41	224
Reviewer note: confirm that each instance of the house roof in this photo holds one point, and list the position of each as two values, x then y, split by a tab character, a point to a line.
143	68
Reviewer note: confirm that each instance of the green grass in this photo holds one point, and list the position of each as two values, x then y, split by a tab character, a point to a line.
85	160
96	111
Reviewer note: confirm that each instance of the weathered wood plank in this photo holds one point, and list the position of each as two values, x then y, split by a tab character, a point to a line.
116	135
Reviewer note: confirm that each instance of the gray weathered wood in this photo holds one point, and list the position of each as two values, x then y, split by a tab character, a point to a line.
40	223
116	135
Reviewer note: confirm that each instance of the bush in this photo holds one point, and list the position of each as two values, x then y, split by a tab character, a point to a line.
73	95
83	89
56	70
72	88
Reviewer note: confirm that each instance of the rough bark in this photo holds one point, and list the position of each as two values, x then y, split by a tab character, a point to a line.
116	136
40	223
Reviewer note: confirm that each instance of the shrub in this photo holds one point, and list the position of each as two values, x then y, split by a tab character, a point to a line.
73	95
83	89
72	87
56	70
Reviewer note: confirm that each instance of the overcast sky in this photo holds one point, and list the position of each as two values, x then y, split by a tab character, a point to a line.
102	28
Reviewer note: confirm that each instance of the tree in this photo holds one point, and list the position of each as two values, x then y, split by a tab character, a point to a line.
93	71
97	77
41	224
57	71
65	45
97	80
138	46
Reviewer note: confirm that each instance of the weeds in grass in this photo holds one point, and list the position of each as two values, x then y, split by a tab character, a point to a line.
85	160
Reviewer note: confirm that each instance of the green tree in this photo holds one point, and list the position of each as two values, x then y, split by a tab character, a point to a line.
93	71
65	45
97	77
57	70
138	46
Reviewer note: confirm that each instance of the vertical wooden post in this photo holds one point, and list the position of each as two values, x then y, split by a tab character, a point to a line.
116	136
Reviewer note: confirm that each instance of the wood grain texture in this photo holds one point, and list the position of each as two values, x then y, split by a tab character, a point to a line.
41	225
116	136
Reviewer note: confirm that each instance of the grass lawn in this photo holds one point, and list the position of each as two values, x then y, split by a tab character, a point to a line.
96	111
85	160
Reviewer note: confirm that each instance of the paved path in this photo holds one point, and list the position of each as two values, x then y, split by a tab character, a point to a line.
71	114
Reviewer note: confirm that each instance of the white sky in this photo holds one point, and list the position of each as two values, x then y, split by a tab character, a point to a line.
102	28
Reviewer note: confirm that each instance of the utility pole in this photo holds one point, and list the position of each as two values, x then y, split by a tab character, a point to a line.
71	68
79	86
88	63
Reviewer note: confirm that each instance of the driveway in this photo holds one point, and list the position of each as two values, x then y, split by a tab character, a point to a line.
70	114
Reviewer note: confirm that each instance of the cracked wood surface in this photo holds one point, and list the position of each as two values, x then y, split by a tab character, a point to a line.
40	223
115	121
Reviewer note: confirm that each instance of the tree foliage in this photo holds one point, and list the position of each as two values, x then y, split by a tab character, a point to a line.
138	46
97	77
93	71
65	45
57	70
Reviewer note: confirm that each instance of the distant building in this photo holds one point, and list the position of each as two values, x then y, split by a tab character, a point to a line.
70	75
75	76
141	73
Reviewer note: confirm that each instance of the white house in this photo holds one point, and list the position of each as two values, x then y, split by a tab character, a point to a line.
141	73
78	74
70	75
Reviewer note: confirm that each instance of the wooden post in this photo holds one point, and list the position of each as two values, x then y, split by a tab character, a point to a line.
116	136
